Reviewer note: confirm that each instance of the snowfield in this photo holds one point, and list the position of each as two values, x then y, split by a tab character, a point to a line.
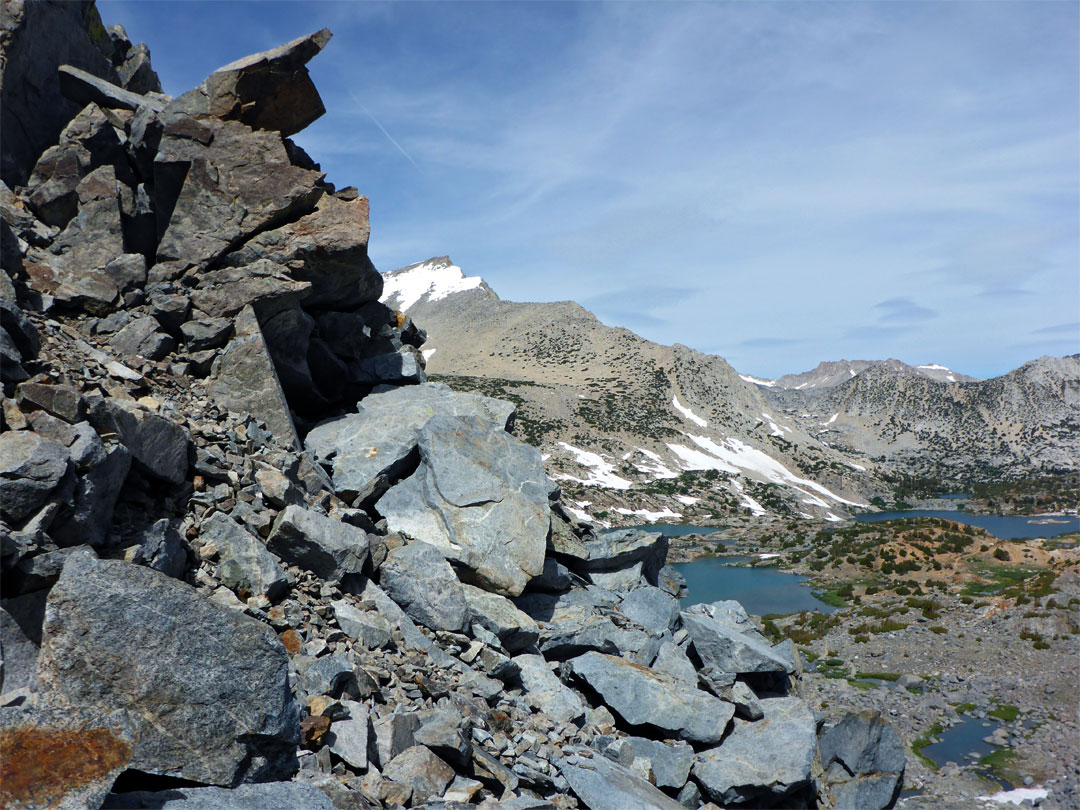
433	280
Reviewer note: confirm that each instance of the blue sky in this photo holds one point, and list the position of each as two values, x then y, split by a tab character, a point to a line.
775	183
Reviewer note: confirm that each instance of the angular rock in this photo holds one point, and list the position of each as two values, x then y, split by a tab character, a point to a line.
206	333
62	401
480	497
238	182
61	759
269	796
620	559
322	545
671	659
642	696
267	90
762	761
93	502
863	761
245	566
421	770
38	38
31	467
86	88
394	734
652	608
161	548
350	738
160	447
516	629
417	578
723	647
577	629
670	762
368	450
143	337
277	489
209	687
327	248
21	618
244	380
545	692
671	581
287	331
554	579
604	785
368	627
441	731
331	675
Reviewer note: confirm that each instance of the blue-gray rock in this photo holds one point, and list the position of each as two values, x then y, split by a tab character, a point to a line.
515	629
446	733
327	547
31	467
671	659
209	687
418	578
21	618
159	447
206	333
331	675
863	761
671	581
545	692
268	796
481	497
94	499
578	621
369	627
671	762
646	697
554	579
370	449
652	608
726	649
145	338
244	564
350	738
62	759
604	785
624	557
761	761
421	770
161	548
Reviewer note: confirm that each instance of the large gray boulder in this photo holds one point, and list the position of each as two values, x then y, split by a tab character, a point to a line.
655	610
269	796
267	90
322	545
159	447
762	761
605	785
722	646
63	759
20	637
369	627
669	762
31	467
370	449
480	497
209	687
515	628
418	578
244	380
646	697
244	564
579	621
545	692
864	762
621	559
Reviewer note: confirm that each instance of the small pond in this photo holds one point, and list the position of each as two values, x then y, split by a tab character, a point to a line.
1003	527
760	590
964	744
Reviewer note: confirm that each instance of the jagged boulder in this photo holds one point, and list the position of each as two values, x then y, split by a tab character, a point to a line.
244	565
863	762
655	610
417	578
766	760
545	692
31	467
367	451
480	497
646	697
267	90
605	785
160	447
209	687
329	548
514	628
622	559
723	646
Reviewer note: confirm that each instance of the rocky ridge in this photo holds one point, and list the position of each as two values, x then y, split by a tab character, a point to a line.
251	558
632	430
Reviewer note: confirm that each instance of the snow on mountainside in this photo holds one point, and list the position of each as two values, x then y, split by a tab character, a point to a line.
830	374
631	429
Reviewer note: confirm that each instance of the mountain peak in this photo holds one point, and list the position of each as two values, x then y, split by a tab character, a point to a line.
430	280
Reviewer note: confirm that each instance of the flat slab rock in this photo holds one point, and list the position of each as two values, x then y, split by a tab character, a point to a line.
647	697
268	796
480	497
605	785
371	447
209	686
764	759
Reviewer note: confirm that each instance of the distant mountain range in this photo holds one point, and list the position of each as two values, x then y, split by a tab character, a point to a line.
636	430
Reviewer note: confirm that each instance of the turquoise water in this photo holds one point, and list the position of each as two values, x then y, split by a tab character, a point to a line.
1005	528
676	530
761	590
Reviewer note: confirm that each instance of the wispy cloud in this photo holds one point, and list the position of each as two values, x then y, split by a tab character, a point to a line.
903	309
1068	329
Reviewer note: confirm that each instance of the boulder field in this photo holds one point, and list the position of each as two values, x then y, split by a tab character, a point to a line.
251	558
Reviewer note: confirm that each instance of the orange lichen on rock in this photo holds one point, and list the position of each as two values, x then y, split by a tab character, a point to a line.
40	766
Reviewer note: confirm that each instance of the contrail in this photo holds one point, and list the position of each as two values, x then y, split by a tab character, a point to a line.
382	129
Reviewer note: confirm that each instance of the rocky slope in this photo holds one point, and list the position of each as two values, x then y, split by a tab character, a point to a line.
631	429
250	558
829	374
1023	423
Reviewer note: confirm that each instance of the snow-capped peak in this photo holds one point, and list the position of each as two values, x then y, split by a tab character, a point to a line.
432	280
757	380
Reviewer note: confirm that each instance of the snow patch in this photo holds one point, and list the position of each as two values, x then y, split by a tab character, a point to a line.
650	517
777	429
686	500
832	418
1017	796
757	380
654	466
768	555
581	514
935	367
855	466
427	353
434	280
601	471
689	414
